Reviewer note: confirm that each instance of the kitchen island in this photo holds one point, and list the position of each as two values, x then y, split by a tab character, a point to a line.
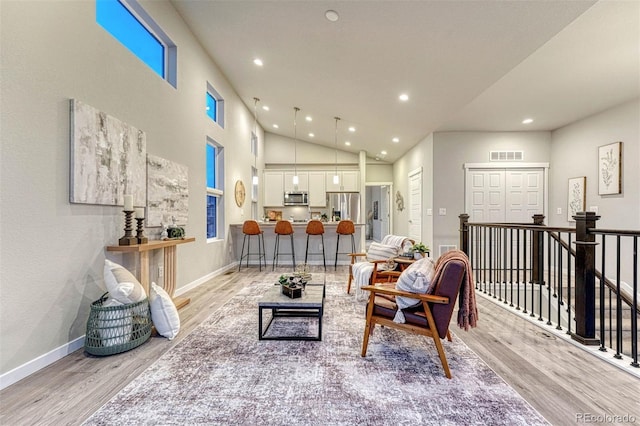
299	242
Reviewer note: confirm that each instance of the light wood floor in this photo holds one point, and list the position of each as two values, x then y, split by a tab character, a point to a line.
556	378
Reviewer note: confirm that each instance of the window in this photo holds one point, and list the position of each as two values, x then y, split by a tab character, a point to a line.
215	105
215	181
132	26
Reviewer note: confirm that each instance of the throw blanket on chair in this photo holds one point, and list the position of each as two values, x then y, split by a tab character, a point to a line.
467	308
389	247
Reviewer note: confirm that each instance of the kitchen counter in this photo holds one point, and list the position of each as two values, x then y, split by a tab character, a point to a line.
299	242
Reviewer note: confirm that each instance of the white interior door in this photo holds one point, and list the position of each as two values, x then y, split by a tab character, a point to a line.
415	205
385	209
504	195
524	195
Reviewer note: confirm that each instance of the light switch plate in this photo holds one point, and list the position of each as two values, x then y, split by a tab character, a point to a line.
593	209
429	212
559	210
442	212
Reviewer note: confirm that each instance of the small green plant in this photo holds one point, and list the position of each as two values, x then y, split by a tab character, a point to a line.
419	248
283	279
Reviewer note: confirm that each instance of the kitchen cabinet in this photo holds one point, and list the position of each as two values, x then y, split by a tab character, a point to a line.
273	189
349	181
303	182
317	189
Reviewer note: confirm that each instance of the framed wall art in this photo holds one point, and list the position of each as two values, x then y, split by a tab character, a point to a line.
108	158
576	201
610	169
167	192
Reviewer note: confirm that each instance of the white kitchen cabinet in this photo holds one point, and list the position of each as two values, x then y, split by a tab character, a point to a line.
349	181
273	189
317	189
303	182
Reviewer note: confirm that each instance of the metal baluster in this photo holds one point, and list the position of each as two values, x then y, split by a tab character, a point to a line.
618	303
511	265
634	307
568	289
524	271
518	267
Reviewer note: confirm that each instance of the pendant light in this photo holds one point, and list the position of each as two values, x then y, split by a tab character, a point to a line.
336	178
295	148
255	135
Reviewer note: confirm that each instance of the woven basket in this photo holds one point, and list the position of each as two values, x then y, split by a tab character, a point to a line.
115	329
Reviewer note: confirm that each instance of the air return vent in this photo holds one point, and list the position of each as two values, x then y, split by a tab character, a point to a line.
442	249
506	155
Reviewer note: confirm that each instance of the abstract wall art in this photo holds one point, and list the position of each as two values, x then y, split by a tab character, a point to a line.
108	158
167	192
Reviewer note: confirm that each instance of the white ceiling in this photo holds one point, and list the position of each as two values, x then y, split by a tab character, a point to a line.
466	65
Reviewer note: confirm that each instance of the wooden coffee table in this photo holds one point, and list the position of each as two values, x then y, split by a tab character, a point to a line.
311	304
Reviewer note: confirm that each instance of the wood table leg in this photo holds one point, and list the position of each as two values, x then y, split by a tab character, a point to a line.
170	277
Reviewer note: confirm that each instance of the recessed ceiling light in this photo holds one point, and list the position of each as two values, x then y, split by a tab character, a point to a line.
265	107
308	118
347	143
396	140
331	15
352	129
383	152
403	97
275	126
527	121
258	62
311	135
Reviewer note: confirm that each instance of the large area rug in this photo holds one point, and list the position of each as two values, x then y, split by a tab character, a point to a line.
221	374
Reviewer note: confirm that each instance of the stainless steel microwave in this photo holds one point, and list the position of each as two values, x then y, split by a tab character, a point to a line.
298	198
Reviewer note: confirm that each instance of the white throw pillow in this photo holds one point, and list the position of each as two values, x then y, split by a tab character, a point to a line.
163	312
378	251
121	284
417	278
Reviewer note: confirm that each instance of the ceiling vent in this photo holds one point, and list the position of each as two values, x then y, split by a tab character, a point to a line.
506	155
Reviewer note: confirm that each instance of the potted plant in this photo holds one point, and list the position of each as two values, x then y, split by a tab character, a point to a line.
419	250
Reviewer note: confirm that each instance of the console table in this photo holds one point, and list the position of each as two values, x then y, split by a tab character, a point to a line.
169	248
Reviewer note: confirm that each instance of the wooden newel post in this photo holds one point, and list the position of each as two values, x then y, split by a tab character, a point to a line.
585	279
537	251
464	233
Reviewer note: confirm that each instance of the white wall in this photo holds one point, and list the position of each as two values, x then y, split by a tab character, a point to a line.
574	152
451	150
379	173
281	150
420	156
52	252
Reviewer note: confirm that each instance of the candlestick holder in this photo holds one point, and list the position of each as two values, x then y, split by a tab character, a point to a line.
128	239
140	231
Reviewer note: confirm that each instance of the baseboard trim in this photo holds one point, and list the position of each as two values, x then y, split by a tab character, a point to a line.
25	370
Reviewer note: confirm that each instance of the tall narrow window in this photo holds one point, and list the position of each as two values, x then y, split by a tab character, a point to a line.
215	177
132	26
215	105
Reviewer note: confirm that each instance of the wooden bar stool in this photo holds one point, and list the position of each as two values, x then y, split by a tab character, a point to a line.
251	228
283	227
345	227
315	227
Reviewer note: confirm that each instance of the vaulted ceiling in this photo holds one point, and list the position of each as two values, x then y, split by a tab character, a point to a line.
465	65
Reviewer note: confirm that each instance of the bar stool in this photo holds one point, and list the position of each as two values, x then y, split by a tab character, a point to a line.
251	228
283	227
315	227
345	227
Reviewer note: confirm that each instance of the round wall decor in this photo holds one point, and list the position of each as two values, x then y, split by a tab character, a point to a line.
240	193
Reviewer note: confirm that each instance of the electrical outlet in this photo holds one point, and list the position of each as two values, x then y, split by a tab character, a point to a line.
559	210
160	271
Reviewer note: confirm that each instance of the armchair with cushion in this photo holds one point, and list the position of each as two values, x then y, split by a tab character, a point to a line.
375	266
431	312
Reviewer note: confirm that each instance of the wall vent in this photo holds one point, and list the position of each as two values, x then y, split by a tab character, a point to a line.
506	155
442	249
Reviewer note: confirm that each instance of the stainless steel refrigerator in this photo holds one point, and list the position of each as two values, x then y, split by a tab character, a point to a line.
344	205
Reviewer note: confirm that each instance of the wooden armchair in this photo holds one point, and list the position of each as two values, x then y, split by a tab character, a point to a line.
379	275
431	318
